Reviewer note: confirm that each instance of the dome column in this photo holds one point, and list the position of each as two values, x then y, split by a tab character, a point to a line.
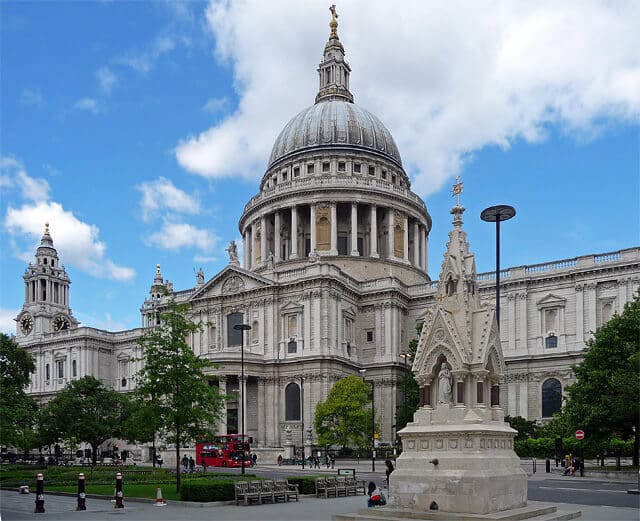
294	232
405	250
425	257
276	235
374	232
313	246
252	258
334	230
416	244
354	230
263	239
390	253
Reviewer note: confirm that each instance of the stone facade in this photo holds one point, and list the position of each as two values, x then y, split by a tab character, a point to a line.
334	279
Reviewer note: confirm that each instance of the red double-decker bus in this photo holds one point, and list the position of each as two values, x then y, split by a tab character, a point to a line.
224	451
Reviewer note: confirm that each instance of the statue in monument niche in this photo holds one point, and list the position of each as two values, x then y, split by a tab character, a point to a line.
445	395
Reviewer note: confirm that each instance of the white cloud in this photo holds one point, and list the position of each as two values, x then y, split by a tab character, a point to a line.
13	174
447	78
7	322
143	60
215	105
77	241
107	79
31	97
174	236
88	104
163	194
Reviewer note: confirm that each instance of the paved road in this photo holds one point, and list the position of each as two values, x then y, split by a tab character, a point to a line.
583	492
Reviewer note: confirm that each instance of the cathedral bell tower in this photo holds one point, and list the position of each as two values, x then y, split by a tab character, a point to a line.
46	294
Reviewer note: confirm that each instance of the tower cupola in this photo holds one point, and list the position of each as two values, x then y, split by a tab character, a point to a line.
333	70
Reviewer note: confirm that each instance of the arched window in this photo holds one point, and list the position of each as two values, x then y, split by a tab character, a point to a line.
292	402
551	397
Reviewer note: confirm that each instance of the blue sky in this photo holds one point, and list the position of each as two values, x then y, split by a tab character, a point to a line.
139	130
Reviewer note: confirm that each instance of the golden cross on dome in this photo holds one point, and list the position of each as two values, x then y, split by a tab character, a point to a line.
457	190
158	270
46	228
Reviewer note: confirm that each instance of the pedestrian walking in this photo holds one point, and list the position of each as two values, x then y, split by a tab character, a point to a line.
185	463
192	464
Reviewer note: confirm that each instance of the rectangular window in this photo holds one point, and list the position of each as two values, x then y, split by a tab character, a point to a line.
393	179
284	176
551	342
310	168
342	245
326	167
60	368
296	171
292	347
384	174
234	336
356	168
372	170
342	166
369	336
47	372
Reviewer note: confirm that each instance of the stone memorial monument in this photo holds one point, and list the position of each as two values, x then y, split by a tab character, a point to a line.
457	458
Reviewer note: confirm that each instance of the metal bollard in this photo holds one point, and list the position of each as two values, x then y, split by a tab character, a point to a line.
119	496
548	466
39	494
82	497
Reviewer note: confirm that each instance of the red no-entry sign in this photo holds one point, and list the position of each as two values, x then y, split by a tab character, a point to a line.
580	435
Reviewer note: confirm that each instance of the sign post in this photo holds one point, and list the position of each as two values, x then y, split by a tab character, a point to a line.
580	436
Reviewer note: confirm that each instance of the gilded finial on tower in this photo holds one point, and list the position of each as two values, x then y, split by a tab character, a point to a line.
158	274
46	228
334	22
457	190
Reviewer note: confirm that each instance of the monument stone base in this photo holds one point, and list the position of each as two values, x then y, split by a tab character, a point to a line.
528	513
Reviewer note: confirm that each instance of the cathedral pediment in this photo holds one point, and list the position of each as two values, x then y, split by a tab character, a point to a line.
551	300
230	281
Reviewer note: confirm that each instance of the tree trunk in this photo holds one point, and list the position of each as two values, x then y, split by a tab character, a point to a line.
178	458
636	445
94	453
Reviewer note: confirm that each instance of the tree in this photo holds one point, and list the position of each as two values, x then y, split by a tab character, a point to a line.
173	380
344	418
16	408
409	385
85	410
526	429
604	400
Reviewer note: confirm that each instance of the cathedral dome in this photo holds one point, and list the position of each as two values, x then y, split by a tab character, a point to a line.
334	122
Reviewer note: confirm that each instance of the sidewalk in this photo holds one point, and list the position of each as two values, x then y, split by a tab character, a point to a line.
15	507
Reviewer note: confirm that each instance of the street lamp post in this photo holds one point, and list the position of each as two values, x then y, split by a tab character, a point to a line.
242	328
302	415
496	214
405	356
373	421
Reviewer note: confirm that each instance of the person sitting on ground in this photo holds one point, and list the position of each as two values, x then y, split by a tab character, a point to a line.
376	497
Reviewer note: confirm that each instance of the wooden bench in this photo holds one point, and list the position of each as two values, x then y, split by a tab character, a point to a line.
261	491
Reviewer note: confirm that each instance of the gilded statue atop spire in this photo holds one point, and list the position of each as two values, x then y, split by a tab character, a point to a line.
158	274
46	228
334	22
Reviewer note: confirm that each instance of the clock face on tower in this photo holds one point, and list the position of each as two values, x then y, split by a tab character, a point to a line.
60	323
26	324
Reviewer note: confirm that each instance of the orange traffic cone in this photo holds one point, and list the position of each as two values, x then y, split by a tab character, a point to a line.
159	501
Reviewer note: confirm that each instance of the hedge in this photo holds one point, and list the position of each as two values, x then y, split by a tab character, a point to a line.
306	484
545	447
210	490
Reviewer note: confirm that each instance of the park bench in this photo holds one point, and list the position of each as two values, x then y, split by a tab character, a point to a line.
341	486
264	490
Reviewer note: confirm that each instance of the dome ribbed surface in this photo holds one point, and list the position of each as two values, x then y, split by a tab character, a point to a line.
334	122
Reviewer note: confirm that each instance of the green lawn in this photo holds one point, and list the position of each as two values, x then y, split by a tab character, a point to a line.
142	490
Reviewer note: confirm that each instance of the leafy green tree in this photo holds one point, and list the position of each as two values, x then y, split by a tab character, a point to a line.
17	410
174	381
344	419
526	429
409	386
604	400
85	410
